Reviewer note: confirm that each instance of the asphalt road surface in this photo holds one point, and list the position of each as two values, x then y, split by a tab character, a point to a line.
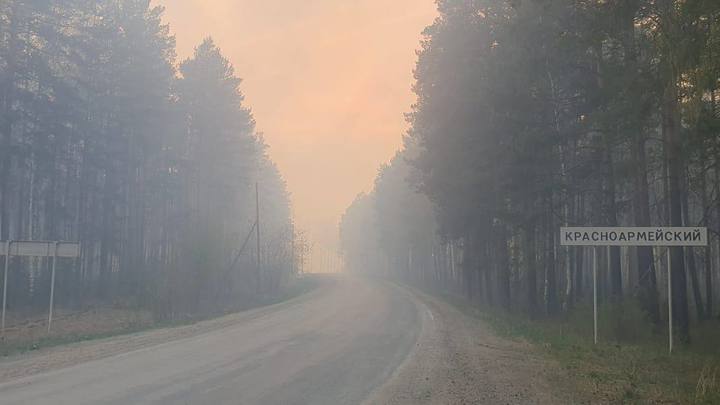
350	341
335	346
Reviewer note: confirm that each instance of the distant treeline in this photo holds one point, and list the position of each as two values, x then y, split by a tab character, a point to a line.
151	164
532	115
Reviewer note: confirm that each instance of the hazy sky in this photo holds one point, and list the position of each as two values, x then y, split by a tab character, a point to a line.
328	82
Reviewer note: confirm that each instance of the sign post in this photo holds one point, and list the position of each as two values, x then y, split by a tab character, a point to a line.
52	286
634	236
595	318
5	278
670	317
53	249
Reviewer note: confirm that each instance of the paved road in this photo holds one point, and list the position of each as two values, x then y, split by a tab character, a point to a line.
335	346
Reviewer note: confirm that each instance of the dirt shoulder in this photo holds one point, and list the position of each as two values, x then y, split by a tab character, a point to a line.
459	360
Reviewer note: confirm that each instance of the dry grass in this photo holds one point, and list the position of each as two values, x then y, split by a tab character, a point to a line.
707	388
630	365
30	332
615	371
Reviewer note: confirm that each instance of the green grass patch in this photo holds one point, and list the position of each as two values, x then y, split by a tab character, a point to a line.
630	364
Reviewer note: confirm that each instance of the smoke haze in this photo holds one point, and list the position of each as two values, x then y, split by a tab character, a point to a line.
328	82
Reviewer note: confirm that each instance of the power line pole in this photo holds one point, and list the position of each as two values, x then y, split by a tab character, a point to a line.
292	248
257	232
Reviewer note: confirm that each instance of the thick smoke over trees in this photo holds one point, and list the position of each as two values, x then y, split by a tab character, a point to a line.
149	163
532	115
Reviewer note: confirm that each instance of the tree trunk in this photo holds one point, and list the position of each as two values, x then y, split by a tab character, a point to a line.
467	268
690	256
551	292
8	90
647	278
673	152
503	268
615	264
530	268
580	253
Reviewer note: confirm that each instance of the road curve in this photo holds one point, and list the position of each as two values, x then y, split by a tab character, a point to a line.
335	346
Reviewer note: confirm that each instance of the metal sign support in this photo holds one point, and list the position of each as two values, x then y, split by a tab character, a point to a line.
670	311
35	248
52	286
595	312
634	236
5	281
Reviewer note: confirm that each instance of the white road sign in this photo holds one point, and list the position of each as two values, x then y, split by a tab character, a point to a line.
41	248
633	236
53	249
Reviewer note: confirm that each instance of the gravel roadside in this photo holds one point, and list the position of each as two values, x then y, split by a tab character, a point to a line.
459	360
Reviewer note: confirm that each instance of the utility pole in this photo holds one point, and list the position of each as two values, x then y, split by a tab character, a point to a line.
292	248
300	253
257	230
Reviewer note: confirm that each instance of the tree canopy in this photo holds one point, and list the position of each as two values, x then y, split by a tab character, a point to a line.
151	164
532	115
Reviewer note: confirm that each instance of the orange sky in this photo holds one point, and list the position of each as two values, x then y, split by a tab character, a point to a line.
328	82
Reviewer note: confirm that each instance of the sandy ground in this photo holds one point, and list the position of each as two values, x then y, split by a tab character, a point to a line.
348	342
459	360
25	330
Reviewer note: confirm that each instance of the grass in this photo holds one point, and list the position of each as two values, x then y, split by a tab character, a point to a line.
52	341
295	289
630	364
